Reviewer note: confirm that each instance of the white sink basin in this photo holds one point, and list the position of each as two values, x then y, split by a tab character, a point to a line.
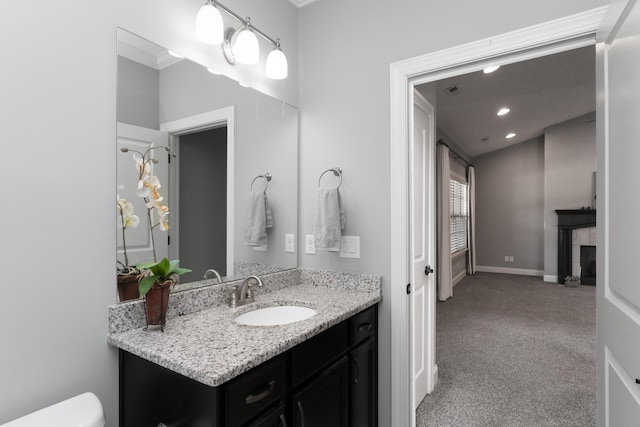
280	315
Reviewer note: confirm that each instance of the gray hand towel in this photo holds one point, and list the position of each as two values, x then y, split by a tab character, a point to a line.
329	220
255	231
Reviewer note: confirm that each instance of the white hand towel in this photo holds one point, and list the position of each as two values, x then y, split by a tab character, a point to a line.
269	220
329	220
255	232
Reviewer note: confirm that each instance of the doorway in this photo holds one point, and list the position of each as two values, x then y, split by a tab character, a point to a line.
556	36
202	185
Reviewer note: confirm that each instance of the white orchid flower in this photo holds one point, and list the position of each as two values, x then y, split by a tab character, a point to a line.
143	167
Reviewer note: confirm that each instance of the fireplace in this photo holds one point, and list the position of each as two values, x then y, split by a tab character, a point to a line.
588	265
568	221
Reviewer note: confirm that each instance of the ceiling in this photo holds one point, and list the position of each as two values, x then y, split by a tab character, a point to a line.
540	92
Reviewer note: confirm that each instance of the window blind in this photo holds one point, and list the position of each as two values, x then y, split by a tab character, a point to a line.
459	211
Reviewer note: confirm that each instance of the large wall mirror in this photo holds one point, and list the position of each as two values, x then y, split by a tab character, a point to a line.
229	142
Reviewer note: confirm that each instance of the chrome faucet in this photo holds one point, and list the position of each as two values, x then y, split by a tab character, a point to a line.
210	273
244	294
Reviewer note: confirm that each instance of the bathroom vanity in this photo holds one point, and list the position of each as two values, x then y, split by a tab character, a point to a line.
208	370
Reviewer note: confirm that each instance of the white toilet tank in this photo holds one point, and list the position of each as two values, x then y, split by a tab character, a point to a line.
84	410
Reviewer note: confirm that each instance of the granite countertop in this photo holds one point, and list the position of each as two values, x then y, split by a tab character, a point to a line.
210	347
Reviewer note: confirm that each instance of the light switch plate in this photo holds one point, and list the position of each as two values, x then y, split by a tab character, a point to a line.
310	244
289	243
350	247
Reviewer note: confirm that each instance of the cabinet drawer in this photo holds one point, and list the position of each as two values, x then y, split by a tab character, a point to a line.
362	326
274	417
253	391
312	355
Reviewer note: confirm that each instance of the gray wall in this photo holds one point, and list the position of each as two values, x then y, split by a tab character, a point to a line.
509	206
53	325
570	160
344	99
138	102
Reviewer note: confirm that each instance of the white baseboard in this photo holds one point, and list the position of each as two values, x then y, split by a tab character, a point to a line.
459	277
550	278
503	270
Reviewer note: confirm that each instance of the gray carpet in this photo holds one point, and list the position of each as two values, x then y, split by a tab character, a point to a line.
514	351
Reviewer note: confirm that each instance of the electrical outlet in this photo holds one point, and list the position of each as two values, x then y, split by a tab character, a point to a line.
310	244
510	258
289	243
506	258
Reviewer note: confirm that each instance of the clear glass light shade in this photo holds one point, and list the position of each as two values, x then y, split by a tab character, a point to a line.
277	67
245	46
209	25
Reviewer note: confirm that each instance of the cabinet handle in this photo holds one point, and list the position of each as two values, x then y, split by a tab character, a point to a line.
253	398
301	413
364	327
283	420
356	368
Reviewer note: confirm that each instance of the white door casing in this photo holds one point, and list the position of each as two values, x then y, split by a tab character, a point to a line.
618	140
138	239
555	36
204	121
422	230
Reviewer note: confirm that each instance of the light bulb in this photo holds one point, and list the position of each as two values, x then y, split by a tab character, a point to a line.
209	25
490	69
276	67
245	46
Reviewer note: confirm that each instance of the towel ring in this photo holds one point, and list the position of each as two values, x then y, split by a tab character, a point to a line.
266	177
337	171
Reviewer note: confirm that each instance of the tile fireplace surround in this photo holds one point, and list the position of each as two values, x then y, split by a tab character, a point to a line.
574	230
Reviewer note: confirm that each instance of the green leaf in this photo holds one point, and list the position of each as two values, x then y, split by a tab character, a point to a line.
179	270
145	284
164	266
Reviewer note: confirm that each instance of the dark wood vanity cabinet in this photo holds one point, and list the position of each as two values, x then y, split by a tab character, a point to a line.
328	380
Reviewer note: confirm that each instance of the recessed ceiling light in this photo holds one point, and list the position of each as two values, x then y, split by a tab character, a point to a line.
212	71
510	135
174	54
503	111
490	69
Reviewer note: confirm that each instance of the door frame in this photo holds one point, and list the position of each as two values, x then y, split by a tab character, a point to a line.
204	121
551	37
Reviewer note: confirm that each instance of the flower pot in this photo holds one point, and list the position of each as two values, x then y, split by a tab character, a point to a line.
128	286
156	302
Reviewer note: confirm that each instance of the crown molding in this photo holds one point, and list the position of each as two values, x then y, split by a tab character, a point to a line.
301	3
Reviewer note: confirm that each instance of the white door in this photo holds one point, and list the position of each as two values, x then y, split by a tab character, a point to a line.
618	197
138	239
422	237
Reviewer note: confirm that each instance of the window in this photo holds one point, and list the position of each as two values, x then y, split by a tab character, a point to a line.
459	211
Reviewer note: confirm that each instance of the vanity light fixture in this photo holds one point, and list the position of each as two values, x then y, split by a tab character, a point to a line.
239	45
510	135
490	69
277	68
209	24
503	111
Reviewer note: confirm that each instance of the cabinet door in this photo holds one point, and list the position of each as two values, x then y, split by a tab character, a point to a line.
363	382
325	401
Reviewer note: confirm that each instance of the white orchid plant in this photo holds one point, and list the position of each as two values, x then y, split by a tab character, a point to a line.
127	220
148	186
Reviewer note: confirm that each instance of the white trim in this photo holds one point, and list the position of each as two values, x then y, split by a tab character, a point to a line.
459	277
505	270
204	121
551	37
550	278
